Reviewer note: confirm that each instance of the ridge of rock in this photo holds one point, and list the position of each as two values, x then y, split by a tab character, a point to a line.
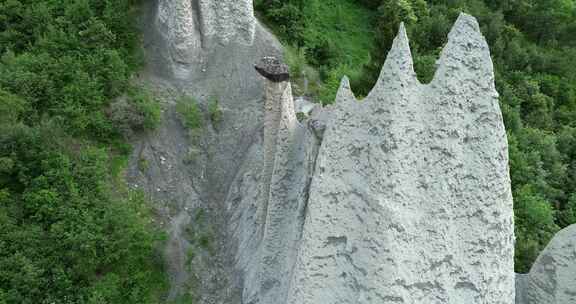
345	91
401	198
411	201
552	279
398	67
191	29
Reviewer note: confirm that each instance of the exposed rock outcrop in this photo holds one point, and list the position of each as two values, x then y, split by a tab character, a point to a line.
410	200
189	29
289	159
552	279
401	198
184	175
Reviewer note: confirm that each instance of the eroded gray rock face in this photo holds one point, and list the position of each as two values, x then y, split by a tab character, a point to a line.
191	27
176	21
289	153
184	174
401	198
410	201
407	199
552	279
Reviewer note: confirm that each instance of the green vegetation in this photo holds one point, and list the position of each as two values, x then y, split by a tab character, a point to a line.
305	79
190	113
336	36
215	111
136	112
63	233
69	231
203	235
534	51
143	164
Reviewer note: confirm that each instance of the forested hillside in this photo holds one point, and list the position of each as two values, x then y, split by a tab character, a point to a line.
533	46
70	232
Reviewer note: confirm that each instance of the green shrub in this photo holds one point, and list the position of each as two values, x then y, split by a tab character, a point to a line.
296	60
326	34
190	113
11	107
187	298
67	232
147	106
137	112
304	78
61	227
192	155
205	241
215	111
143	164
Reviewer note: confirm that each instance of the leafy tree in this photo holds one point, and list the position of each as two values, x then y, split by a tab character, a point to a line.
534	226
65	236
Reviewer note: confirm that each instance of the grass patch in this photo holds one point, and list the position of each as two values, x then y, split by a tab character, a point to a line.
137	111
215	111
201	233
340	39
143	164
205	241
305	78
190	255
192	118
190	113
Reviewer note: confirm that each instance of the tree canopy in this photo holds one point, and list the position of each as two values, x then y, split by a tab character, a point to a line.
68	233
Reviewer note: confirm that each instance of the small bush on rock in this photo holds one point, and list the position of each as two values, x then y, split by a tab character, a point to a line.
190	113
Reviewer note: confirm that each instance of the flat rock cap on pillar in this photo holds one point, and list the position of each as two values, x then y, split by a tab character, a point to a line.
273	69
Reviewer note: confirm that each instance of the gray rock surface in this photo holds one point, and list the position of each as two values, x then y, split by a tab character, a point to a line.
552	279
520	286
290	153
410	201
185	175
191	28
401	198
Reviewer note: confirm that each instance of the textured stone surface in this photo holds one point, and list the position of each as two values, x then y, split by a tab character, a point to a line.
228	20
521	281
290	159
410	201
191	27
552	279
185	175
273	69
401	198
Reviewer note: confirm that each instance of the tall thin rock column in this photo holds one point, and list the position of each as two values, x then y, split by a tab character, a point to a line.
279	110
286	173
